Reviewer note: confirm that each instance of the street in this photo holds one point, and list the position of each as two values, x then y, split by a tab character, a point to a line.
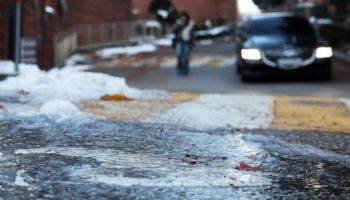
210	137
211	79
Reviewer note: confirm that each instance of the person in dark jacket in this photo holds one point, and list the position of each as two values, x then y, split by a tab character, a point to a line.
183	42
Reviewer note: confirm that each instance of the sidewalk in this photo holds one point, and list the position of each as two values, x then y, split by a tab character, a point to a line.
215	111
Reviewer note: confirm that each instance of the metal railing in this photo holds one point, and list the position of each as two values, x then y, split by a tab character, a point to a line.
87	37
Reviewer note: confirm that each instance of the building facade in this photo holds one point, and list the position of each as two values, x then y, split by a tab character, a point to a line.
43	19
200	10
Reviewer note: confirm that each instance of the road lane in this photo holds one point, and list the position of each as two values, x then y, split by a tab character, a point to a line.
211	79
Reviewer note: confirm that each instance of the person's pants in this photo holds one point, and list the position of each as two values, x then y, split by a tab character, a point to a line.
183	57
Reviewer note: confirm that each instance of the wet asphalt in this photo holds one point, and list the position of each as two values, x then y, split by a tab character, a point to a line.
45	158
226	80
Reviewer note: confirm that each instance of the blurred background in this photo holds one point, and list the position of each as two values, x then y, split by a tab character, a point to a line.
47	32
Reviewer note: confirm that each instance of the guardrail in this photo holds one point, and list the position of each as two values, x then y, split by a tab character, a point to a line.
87	37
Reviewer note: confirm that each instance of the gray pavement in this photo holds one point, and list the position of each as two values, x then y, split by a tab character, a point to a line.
225	80
42	158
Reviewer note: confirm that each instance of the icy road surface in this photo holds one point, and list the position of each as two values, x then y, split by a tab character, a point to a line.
88	158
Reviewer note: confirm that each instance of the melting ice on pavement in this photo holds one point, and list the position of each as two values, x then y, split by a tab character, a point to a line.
158	171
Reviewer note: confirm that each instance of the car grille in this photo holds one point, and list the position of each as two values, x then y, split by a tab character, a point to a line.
272	57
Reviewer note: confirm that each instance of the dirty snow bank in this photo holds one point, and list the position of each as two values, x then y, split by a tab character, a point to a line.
69	84
220	111
51	93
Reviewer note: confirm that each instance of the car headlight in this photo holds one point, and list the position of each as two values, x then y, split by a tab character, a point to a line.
324	52
250	54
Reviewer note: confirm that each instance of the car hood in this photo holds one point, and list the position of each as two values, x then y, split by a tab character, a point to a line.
280	42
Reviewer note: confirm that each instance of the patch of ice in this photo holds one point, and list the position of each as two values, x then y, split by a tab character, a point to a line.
7	67
293	150
131	50
19	181
218	111
172	173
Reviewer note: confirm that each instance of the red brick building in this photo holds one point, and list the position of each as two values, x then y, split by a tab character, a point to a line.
43	19
199	10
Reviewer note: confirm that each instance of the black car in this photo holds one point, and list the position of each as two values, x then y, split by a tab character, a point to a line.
279	44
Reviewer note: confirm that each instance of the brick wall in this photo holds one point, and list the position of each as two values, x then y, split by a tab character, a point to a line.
3	29
79	12
141	6
199	10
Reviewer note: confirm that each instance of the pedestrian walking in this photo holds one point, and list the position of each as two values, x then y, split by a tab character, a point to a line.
183	42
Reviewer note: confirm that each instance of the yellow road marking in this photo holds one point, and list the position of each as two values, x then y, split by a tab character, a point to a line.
302	113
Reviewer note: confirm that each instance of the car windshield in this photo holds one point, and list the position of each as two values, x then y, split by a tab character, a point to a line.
281	25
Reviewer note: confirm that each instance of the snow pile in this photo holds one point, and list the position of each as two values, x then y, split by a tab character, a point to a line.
347	102
61	108
51	93
7	67
69	84
220	111
131	50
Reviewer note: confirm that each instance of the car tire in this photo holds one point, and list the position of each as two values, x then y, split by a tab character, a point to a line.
327	76
246	78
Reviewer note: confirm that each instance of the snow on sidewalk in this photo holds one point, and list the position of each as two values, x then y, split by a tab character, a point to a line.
129	50
212	111
7	67
58	88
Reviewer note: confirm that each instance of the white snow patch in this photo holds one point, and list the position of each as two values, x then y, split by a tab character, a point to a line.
347	102
153	23
131	50
60	108
213	32
7	67
19	179
69	84
219	111
164	42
